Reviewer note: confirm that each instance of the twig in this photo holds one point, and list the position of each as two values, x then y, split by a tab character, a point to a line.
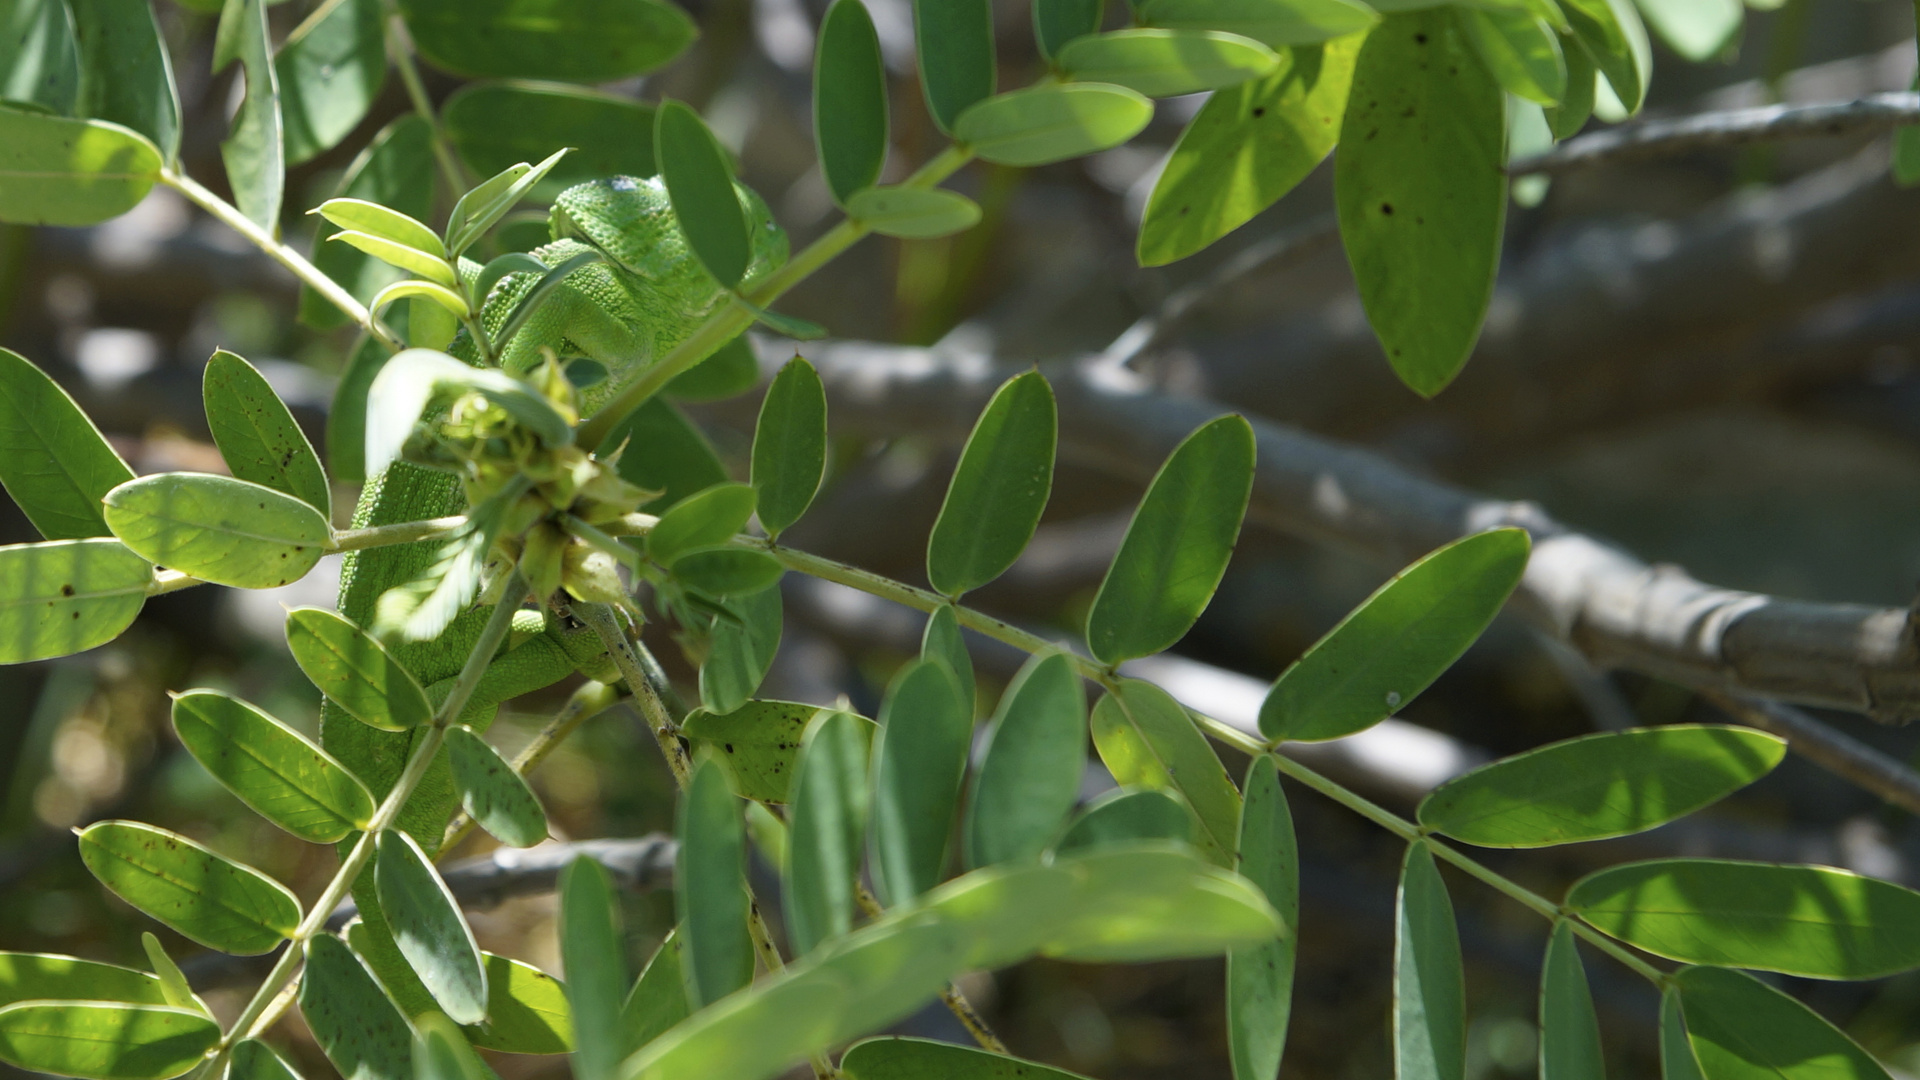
401	50
638	864
1736	127
1838	753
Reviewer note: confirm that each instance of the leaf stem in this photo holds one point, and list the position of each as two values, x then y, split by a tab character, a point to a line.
731	319
398	48
287	967
308	273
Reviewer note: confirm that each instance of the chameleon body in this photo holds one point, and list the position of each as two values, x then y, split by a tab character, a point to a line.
623	314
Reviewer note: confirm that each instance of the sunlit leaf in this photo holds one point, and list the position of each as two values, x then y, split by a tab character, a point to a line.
29	976
1167	63
758	744
492	793
429	929
104	1041
1148	739
1743	1029
1520	50
257	435
205	896
59	171
1276	23
226	531
274	769
53	460
527	1010
67	596
355	671
1043	124
395	170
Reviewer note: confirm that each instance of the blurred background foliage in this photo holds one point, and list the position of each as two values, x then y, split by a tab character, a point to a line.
1766	445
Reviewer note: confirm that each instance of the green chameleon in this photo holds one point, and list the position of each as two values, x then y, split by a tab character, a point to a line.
622	315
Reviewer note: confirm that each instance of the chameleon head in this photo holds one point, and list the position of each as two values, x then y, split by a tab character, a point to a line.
632	221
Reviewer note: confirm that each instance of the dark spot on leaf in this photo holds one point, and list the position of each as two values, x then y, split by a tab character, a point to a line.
66	590
1419	39
1386	208
1259	111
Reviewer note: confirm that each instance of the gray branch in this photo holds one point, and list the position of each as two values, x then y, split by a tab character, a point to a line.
1842	755
1868	115
640	864
1614	608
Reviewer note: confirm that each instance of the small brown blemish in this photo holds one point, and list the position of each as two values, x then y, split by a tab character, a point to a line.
1419	39
1386	208
66	590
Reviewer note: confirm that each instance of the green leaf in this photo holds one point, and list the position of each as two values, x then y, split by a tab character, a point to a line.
347	419
1566	120
1128	815
924	734
57	171
1167	63
355	671
272	768
104	1041
1422	194
658	999
43	976
1248	146
1162	737
417	378
1056	22
1743	1029
173	981
1676	1053
376	220
1140	903
953	40
492	793
53	461
701	520
1617	41
1275	23
1029	775
895	1057
1044	124
449	301
495	125
1260	977
829	818
758	742
666	453
226	531
1811	921
351	1017
790	441
126	77
480	208
429	266
429	929
732	370
942	641
1596	786
1391	647
372	941
785	325
585	41
42	67
254	152
728	571
1177	546
1569	1030
593	956
395	170
849	100
526	1010
710	886
330	71
913	213
1520	50
441	1051
255	1060
1699	30
740	652
999	488
67	596
257	435
205	896
700	183
1429	992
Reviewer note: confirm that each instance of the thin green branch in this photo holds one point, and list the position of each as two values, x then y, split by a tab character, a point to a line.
256	1014
405	532
308	273
399	48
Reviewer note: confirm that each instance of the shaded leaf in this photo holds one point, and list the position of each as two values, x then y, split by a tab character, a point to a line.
1520	51
1812	921
739	653
1140	721
1743	1029
1676	1052
1429	992
829	819
1056	22
1260	977
255	1060
849	100
924	733
943	641
43	66
105	1041
710	887
272	768
429	929
67	596
732	370
257	435
587	41
360	1030
1127	815
665	453
999	488
126	77
527	1010
441	1052
492	793
1698	30
953	40
254	152
1276	23
1421	192
1569	1030
330	70
29	976
1616	39
395	170
895	1057
53	461
1167	63
1391	647
226	531
495	125
1177	545
355	671
703	519
1029	775
1607	784
728	571
1049	123
790	442
205	896
57	171
593	957
658	999
173	981
700	182
913	213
